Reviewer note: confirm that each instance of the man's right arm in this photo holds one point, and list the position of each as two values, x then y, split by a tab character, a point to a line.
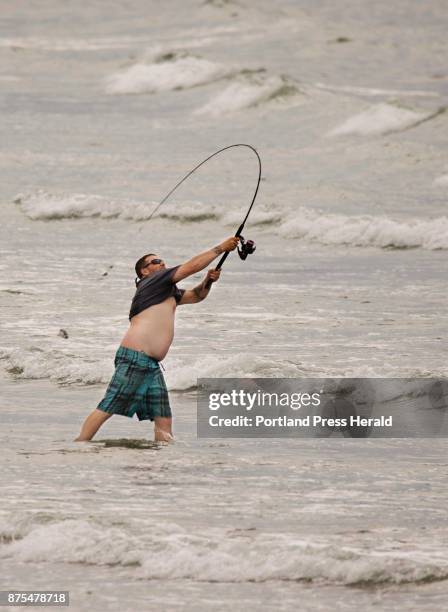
201	261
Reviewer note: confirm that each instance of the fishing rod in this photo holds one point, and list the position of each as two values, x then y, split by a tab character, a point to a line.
247	246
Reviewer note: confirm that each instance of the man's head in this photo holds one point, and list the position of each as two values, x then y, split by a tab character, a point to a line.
148	264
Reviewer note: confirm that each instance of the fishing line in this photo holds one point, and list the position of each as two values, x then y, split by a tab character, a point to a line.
247	247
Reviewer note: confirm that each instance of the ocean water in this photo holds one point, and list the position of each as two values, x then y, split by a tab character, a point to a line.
103	110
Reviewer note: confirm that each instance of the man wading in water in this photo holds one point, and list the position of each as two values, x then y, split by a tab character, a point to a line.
137	385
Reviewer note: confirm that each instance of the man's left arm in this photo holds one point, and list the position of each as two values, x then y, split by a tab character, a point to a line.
199	293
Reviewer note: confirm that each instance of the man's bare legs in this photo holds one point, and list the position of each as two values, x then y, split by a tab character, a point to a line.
91	425
162	429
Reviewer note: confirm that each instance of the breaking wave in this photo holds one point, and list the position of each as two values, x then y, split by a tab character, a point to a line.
305	224
168	71
178	69
56	365
226	555
250	89
364	231
47	206
41	205
382	119
65	368
182	376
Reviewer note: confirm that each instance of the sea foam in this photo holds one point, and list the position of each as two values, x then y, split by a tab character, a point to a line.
382	119
170	71
366	230
182	375
59	366
47	206
225	555
250	89
65	368
42	205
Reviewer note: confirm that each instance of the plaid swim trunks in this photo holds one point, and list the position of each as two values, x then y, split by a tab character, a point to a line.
137	387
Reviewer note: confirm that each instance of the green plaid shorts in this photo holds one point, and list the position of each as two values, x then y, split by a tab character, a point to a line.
137	387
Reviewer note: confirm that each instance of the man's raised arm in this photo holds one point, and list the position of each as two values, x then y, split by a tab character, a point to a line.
201	261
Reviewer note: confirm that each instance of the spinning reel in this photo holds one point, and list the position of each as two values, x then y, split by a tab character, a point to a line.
247	247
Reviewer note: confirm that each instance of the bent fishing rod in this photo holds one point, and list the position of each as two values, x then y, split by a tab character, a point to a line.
247	246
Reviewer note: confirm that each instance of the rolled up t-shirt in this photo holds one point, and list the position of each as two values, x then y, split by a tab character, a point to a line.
155	289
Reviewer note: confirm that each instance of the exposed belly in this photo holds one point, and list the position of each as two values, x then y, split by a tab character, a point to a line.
152	330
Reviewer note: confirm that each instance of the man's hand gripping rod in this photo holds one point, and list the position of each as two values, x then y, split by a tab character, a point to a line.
208	284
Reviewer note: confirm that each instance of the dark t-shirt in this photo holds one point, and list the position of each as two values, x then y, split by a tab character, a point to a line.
155	289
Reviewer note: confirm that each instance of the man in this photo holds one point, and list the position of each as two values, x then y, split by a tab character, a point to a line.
137	385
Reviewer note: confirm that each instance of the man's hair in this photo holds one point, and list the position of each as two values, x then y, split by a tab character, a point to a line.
140	265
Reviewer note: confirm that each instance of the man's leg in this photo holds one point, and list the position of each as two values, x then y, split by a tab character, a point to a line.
91	425
162	429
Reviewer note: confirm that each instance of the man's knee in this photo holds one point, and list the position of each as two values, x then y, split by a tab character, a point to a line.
100	415
91	425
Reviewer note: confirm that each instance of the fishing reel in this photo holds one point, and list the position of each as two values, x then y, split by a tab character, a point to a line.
246	247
